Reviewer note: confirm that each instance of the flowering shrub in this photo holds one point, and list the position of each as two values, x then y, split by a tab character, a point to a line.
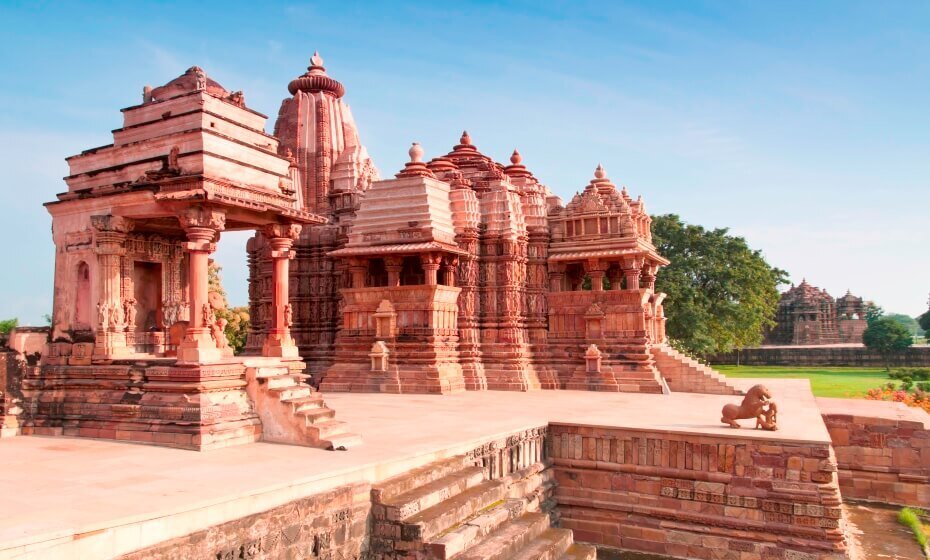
888	392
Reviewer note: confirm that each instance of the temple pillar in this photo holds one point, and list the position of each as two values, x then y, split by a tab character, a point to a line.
557	278
615	277
279	343
358	273
202	226
632	269
431	264
393	265
110	237
449	266
596	271
649	277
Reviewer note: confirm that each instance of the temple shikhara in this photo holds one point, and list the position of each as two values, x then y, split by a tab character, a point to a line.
489	359
808	315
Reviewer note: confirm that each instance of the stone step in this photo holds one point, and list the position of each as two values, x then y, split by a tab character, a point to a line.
292	392
551	544
429	523
342	442
504	542
264	372
397	485
460	538
580	552
316	415
429	495
327	429
281	381
300	404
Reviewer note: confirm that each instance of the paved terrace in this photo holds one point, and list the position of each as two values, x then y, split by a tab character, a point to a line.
81	498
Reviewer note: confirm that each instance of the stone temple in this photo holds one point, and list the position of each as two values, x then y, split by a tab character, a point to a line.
496	373
808	315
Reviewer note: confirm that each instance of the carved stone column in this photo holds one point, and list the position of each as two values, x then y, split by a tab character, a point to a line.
632	268
649	277
596	270
430	264
449	265
615	278
393	265
358	271
556	277
279	343
110	238
202	225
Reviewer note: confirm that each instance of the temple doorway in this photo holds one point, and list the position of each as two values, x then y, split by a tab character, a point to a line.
146	281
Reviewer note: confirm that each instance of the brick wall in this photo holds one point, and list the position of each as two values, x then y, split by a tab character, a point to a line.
327	526
882	450
698	496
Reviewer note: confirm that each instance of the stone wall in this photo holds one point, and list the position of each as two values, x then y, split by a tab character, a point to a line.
882	450
916	356
12	369
691	496
328	526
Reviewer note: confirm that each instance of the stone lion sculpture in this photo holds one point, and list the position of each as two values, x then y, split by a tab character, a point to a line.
756	404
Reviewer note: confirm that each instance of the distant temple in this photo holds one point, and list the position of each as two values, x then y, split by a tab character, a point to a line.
808	315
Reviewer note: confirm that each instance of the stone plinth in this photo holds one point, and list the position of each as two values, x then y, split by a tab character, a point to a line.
696	496
613	320
882	450
420	339
192	407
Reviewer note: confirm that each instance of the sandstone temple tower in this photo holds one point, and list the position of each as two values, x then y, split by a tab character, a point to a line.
808	315
461	273
317	134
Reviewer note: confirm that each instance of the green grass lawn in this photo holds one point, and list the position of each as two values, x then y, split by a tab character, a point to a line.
850	382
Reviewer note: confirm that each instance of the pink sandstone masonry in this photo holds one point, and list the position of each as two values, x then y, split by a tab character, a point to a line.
882	450
698	496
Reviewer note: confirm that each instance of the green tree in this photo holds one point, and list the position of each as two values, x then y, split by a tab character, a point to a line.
873	312
924	322
237	318
907	322
8	325
721	293
887	337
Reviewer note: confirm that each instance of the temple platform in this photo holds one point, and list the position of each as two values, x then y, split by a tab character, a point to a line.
82	498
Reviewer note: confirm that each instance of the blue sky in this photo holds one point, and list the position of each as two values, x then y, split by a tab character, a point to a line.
802	126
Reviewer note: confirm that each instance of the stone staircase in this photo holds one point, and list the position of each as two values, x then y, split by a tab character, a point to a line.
451	509
685	375
626	369
290	410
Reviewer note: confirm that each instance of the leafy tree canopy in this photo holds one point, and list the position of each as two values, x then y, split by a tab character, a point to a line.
887	336
924	321
873	312
237	318
721	293
907	322
7	325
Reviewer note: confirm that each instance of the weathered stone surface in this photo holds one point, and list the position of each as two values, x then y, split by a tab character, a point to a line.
330	525
882	450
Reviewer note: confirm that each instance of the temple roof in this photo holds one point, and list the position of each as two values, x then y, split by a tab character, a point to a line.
194	79
315	79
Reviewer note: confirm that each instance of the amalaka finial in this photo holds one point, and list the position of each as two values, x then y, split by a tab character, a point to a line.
416	153
465	139
316	60
599	173
516	158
